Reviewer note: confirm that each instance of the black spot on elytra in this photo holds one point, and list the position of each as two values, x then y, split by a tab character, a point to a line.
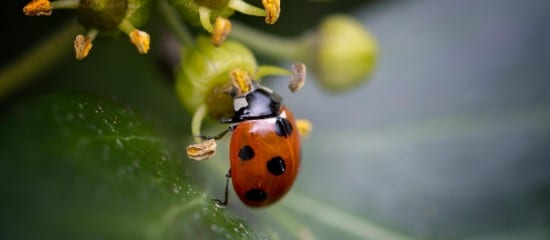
246	153
255	194
283	127
276	166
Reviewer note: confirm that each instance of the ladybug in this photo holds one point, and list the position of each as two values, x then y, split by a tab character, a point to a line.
265	148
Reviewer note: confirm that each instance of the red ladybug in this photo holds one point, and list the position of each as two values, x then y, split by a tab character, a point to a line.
265	147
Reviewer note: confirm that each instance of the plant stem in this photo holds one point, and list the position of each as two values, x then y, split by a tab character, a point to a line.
126	26
204	17
269	45
246	8
266	70
65	4
175	24
196	122
43	56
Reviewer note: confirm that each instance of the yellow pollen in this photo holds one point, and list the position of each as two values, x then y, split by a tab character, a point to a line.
273	10
304	127
82	46
241	81
141	40
38	8
222	27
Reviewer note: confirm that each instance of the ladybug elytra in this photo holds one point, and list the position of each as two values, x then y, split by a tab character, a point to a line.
264	149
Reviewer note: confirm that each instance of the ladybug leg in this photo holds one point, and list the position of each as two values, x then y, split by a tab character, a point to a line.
219	203
196	124
206	145
219	135
229	120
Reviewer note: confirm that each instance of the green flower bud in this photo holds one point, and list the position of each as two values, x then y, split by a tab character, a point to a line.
203	76
212	3
102	14
138	12
346	53
107	15
189	9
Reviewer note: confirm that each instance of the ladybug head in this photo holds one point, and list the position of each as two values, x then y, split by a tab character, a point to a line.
252	100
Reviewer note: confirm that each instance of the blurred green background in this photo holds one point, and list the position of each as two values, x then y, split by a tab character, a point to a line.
449	140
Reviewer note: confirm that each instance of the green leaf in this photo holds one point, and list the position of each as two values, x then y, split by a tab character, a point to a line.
80	167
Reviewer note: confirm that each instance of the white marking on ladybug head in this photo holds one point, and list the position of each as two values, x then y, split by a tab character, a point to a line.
239	102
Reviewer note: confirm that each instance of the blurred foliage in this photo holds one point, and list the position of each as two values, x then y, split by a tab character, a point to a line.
81	167
94	149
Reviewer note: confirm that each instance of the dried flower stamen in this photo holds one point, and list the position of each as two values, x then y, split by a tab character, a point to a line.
203	150
83	44
272	9
298	77
222	27
38	8
141	40
304	127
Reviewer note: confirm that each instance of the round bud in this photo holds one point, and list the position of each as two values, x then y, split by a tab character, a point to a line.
189	9
346	53
106	15
203	75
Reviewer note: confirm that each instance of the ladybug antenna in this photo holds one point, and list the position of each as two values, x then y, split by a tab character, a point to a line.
241	82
